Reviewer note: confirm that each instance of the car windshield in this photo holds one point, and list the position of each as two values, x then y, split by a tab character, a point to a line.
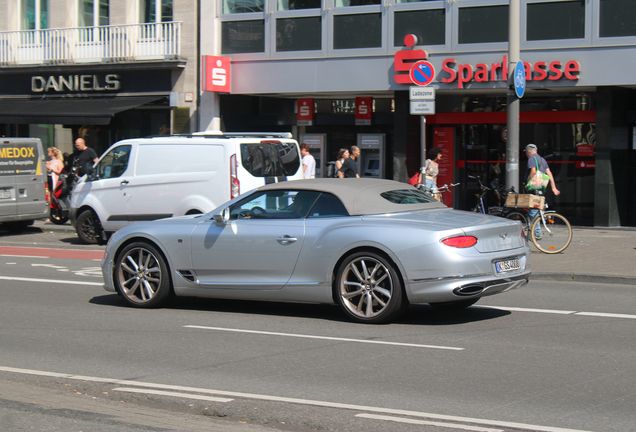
407	196
270	158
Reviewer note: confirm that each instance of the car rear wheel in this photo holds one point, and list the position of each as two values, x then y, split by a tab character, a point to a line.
142	276
369	289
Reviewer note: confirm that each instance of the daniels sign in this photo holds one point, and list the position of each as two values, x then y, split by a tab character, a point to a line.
454	71
75	83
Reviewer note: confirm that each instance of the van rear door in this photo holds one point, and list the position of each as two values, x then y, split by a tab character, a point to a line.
31	177
8	203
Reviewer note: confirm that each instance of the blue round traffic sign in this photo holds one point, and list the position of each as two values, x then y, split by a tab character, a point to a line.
520	79
422	73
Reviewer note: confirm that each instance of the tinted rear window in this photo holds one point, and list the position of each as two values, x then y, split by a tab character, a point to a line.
407	196
270	158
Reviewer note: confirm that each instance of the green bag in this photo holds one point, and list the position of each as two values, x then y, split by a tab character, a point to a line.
539	181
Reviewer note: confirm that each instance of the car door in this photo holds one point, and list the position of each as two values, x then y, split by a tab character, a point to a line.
108	188
258	247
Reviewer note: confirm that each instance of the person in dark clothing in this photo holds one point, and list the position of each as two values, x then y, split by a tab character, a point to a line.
85	158
349	167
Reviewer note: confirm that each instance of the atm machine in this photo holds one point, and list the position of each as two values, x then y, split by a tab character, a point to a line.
317	147
371	160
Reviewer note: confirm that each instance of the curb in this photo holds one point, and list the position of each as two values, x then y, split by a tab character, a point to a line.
574	277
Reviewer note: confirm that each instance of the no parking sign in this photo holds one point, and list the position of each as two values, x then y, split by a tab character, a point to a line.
422	73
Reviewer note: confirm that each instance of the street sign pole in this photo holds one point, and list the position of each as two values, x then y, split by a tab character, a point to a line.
422	101
512	148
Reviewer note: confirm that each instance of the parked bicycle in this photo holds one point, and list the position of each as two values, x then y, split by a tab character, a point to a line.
513	213
480	207
437	190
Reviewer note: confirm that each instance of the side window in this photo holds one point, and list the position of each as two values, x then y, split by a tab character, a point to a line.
279	204
328	206
270	158
114	163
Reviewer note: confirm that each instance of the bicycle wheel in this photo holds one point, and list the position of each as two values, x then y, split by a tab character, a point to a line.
495	211
518	216
553	236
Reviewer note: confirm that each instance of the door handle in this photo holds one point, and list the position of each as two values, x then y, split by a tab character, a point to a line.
285	240
124	182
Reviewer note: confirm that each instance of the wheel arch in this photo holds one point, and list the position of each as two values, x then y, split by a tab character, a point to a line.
143	240
368	248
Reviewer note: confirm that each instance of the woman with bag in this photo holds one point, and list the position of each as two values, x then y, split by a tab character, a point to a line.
429	172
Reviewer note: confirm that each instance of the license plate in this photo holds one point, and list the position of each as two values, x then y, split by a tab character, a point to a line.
5	194
507	265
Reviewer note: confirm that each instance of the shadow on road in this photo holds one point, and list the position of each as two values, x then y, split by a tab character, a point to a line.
418	314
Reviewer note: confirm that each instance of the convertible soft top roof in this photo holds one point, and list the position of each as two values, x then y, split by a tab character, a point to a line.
360	196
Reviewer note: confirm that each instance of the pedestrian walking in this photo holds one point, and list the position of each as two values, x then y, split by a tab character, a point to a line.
429	172
349	168
85	158
309	162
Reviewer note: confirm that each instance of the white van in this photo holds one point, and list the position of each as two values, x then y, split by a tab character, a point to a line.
159	177
22	183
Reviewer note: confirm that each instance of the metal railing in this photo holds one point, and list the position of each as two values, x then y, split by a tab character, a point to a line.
115	43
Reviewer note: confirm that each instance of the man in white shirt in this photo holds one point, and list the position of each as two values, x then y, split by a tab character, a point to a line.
309	163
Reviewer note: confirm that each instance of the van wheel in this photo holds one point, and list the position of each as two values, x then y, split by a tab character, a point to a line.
88	227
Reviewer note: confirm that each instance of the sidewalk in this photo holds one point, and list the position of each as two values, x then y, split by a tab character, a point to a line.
605	255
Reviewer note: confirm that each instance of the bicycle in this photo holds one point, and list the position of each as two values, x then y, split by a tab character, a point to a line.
511	213
480	207
439	189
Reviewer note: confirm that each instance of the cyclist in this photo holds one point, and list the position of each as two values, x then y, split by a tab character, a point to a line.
534	161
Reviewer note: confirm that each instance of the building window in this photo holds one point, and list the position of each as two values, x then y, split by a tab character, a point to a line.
428	25
243	37
34	14
298	4
242	6
483	24
93	13
345	3
155	11
299	34
357	31
556	20
618	18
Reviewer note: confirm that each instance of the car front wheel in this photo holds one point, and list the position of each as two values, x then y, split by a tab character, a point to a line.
88	228
142	276
369	289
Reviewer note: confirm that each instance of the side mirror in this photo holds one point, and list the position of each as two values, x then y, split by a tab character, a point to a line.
221	216
90	173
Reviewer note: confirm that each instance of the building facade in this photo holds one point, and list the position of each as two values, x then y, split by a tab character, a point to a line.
103	70
330	59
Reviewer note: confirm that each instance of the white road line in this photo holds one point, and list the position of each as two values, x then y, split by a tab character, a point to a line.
429	423
310	402
175	394
23	256
326	338
605	315
22	279
547	311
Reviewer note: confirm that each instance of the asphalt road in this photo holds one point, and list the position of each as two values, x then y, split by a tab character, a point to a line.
552	356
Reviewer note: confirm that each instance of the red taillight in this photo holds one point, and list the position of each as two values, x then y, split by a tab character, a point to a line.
463	241
46	192
235	185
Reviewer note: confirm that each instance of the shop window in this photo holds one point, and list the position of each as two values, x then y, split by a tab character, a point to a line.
94	13
299	4
483	24
556	20
299	34
428	25
242	6
617	18
346	3
155	11
34	14
243	37
357	31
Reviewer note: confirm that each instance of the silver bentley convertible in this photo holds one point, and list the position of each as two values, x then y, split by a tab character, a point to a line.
371	246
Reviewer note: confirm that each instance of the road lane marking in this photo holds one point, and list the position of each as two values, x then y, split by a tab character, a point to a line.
429	423
325	338
547	311
57	281
605	315
175	394
310	402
